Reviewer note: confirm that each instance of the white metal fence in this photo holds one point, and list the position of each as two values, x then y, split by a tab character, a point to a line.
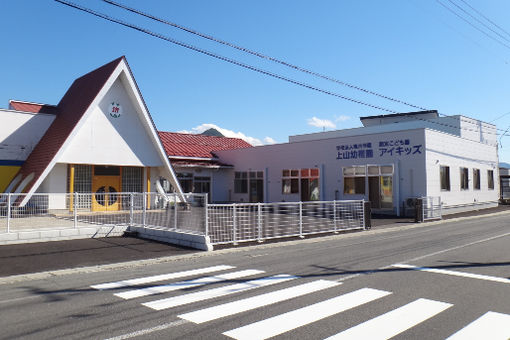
86	209
223	223
431	208
241	222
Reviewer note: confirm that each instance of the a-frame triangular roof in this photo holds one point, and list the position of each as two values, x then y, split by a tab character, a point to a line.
79	100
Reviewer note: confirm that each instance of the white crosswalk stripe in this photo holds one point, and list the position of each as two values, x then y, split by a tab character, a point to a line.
217	292
288	321
385	326
239	306
490	325
160	277
135	293
394	322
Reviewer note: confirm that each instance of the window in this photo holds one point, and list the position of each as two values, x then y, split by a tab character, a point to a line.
241	182
354	179
464	178
444	174
186	181
476	179
304	181
290	181
490	179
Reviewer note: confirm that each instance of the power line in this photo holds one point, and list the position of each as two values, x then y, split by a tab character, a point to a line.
472	25
235	62
260	55
479	21
486	18
219	57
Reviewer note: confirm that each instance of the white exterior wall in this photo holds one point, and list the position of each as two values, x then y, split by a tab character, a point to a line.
105	140
323	154
20	132
447	150
220	178
55	182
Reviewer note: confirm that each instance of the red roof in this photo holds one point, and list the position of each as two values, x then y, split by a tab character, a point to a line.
71	109
191	145
32	107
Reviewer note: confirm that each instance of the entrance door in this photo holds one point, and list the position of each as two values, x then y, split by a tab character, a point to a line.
374	195
105	187
380	192
256	190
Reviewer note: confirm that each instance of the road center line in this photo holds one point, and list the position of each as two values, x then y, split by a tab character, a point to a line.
150	330
453	273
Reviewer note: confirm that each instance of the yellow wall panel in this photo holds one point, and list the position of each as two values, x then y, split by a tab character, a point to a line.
7	173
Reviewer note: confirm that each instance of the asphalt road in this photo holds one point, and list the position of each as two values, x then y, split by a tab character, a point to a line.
418	282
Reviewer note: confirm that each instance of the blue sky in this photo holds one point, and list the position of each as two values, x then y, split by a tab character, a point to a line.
413	50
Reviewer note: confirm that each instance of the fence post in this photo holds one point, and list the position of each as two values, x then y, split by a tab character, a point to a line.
367	214
259	221
234	231
131	208
175	211
144	210
75	212
301	219
334	217
9	212
206	215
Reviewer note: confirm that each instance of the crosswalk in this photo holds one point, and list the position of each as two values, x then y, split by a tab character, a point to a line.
491	325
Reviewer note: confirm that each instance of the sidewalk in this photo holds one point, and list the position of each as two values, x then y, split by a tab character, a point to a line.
38	257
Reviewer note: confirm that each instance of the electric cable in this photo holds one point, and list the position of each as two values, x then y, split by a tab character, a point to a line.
486	18
219	57
258	54
268	73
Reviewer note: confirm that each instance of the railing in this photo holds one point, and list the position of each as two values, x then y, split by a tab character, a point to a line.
223	223
89	209
241	222
431	208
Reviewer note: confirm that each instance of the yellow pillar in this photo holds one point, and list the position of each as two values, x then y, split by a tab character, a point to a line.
71	186
148	187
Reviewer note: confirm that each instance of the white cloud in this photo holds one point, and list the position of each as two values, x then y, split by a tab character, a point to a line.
229	133
342	118
322	123
269	140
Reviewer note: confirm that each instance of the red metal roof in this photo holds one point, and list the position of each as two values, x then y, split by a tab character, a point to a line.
32	107
71	109
191	145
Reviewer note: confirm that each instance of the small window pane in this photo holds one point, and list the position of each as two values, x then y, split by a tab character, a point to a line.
285	173
360	170
490	179
387	169
373	170
305	173
260	174
349	171
314	172
294	186
294	173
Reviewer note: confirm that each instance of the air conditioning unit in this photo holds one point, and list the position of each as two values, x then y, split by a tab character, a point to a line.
411	202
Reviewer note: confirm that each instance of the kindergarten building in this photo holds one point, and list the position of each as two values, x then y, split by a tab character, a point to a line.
100	138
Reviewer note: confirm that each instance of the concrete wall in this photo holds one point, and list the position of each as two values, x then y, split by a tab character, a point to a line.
324	154
20	132
447	150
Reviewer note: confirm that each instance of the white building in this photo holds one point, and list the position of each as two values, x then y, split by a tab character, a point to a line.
100	138
388	161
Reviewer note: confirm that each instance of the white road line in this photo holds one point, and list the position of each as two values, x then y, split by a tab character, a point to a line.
491	325
217	292
453	273
285	322
149	330
131	294
394	322
239	306
161	277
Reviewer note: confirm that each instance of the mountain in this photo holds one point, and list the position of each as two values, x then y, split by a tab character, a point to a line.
212	132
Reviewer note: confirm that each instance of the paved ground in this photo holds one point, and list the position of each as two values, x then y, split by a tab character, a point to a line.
38	257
